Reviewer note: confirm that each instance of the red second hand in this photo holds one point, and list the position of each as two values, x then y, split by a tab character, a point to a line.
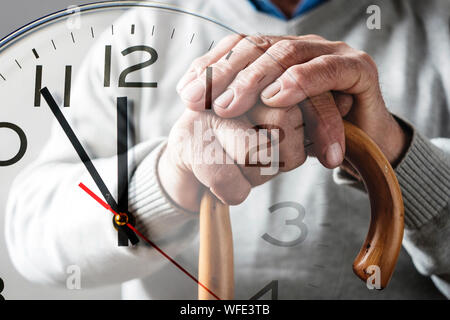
107	207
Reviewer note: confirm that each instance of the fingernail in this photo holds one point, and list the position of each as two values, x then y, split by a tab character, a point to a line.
193	92
224	100
188	77
334	155
271	90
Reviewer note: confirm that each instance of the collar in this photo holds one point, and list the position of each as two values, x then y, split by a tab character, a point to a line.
268	7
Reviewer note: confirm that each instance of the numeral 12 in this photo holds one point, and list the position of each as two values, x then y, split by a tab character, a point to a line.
123	83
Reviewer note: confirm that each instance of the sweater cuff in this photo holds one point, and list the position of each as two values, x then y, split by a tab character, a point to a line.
423	176
155	214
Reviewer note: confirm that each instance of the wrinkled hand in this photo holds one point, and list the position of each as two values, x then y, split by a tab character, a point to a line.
290	70
205	150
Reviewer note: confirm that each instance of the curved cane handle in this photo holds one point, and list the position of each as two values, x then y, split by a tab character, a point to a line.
384	238
381	247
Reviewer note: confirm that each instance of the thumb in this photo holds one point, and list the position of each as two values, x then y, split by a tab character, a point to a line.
324	129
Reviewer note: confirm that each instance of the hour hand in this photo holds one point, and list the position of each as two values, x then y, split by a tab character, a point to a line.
86	160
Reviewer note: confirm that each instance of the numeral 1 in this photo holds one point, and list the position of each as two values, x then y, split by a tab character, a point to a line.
107	73
208	95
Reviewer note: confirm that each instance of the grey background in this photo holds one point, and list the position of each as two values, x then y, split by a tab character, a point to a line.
13	15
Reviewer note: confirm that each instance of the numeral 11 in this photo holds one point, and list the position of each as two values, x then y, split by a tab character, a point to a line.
67	86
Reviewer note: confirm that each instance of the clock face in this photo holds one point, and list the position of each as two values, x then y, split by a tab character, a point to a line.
83	80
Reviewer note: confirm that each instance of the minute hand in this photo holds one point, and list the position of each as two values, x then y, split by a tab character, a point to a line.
84	158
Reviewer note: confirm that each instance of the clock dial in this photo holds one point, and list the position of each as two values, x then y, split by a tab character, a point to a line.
115	64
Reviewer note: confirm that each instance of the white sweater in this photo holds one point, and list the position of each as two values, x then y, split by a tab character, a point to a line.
411	50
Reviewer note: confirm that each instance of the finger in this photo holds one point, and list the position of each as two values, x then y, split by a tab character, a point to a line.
344	102
199	65
212	166
289	123
324	129
243	143
353	74
225	181
224	70
248	84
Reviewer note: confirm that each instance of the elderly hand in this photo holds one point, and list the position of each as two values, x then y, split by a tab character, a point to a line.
291	70
205	150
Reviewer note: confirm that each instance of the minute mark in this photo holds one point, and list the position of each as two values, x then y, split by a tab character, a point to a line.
212	43
36	55
17	62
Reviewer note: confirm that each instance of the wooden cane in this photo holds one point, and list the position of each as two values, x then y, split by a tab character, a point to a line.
380	249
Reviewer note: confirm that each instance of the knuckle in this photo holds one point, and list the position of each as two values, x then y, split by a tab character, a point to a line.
294	116
364	56
260	41
217	123
222	68
221	179
329	66
249	78
341	45
286	48
368	60
352	63
233	37
294	160
286	52
297	72
297	78
280	120
228	186
367	71
237	198
199	64
313	37
255	178
292	153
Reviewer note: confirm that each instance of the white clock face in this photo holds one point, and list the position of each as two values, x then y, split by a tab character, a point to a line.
50	52
104	41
